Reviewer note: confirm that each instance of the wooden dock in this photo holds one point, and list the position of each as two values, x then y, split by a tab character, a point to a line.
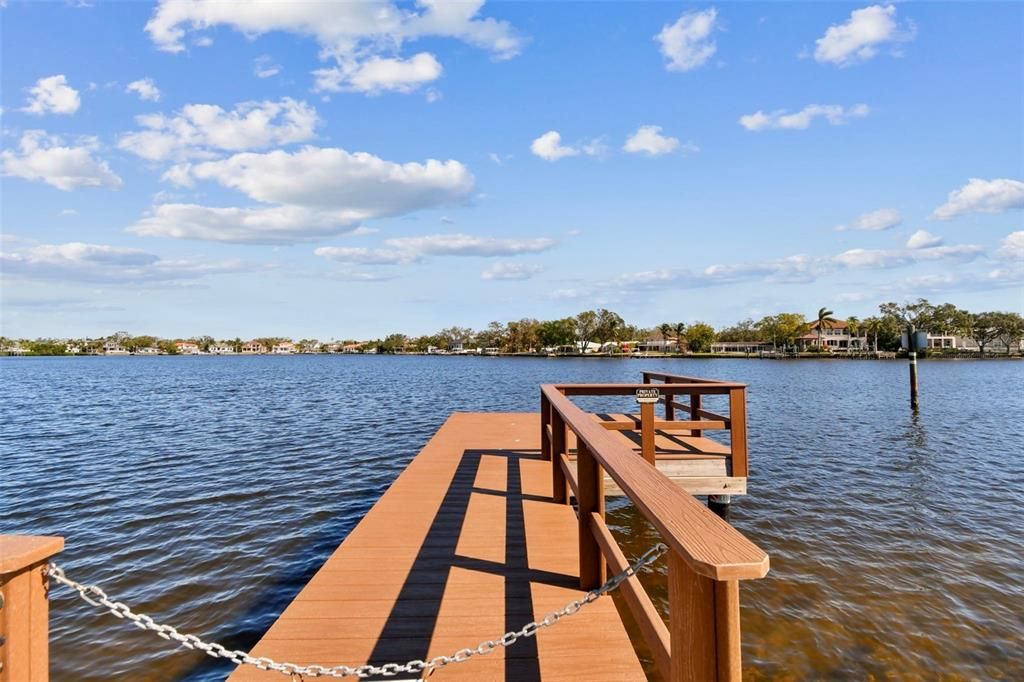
466	545
477	537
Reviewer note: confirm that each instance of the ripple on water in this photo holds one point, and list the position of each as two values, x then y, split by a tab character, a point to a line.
206	491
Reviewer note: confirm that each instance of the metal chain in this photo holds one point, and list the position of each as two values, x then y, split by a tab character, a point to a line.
97	597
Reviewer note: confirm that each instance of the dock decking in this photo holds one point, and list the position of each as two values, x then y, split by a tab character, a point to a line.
466	545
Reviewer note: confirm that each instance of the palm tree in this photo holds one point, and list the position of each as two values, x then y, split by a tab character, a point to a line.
853	327
665	328
825	321
680	330
873	325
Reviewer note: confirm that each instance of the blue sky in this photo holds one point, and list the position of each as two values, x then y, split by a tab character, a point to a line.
345	171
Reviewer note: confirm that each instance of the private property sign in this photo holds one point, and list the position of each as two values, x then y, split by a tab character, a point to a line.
648	395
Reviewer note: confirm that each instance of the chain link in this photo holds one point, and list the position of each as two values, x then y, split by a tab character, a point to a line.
97	597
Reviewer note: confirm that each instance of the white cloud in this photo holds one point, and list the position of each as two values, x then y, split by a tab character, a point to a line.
312	193
380	74
65	212
145	88
360	184
874	221
201	130
510	271
550	148
99	263
273	225
52	95
1012	246
365	256
469	245
405	250
264	67
801	120
923	239
982	196
686	44
353	34
860	38
791	269
45	158
649	140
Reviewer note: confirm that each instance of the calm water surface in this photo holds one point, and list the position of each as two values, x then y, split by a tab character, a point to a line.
207	490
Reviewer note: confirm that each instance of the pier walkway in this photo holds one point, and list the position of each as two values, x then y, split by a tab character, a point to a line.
464	546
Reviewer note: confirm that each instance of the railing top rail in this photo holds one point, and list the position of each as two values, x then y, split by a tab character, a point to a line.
708	544
624	389
682	378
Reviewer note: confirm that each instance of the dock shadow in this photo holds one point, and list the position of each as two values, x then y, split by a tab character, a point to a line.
411	624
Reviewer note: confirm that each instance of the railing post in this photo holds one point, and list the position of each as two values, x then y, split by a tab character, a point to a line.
590	500
545	419
670	411
647	432
24	609
704	625
738	430
558	448
695	408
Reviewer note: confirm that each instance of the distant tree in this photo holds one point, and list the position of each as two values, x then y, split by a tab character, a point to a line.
825	321
744	330
699	337
853	327
555	333
1010	329
984	329
666	330
586	328
495	336
872	325
607	324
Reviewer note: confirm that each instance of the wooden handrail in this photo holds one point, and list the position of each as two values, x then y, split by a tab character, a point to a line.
709	545
716	388
707	556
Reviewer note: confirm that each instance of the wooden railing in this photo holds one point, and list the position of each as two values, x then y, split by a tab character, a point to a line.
700	420
735	423
707	557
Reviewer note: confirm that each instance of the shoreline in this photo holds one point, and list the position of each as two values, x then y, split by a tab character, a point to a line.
884	355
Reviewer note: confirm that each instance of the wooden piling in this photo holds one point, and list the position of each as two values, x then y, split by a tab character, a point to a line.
24	606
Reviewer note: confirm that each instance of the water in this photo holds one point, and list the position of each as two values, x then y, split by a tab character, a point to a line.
206	490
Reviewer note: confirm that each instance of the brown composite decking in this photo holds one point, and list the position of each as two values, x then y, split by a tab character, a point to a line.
464	546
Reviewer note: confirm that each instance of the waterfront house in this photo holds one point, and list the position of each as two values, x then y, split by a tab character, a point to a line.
72	349
834	337
283	348
253	347
222	349
148	350
740	346
114	347
187	347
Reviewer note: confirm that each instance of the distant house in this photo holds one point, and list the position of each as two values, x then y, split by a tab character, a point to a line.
14	350
352	348
739	346
72	349
313	347
252	347
283	348
112	347
148	350
941	342
833	337
187	347
222	349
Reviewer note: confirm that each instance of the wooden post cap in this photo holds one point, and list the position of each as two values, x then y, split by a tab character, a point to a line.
21	551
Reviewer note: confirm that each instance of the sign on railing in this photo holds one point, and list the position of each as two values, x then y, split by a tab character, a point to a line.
646	396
